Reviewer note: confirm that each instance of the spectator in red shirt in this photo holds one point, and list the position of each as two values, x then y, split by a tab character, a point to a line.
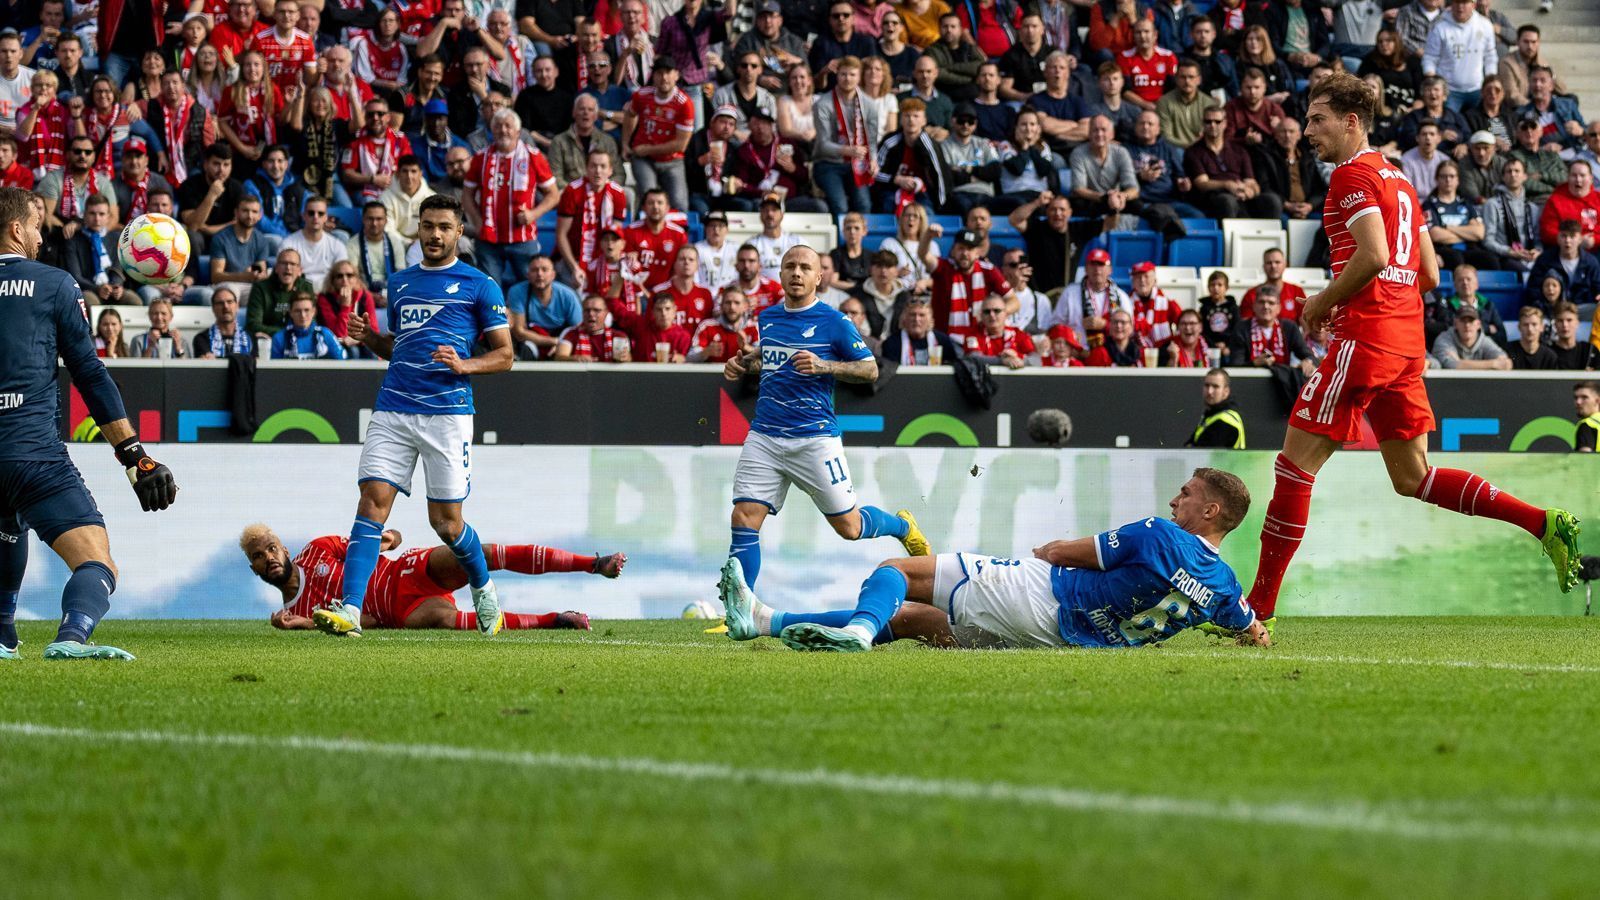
1252	118
655	242
592	340
1122	347
997	343
232	35
761	291
659	123
369	162
1290	296
509	187
586	208
1145	66
42	126
996	28
1111	29
12	172
613	274
345	293
1188	349
1575	201
1155	315
719	339
692	301
1065	350
656	338
962	282
289	51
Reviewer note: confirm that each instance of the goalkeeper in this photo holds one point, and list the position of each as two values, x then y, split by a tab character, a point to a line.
1138	584
42	317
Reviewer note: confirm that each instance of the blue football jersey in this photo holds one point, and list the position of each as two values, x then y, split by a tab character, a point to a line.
1156	580
427	308
42	316
792	404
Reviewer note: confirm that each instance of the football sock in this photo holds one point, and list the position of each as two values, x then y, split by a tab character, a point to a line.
838	618
13	564
877	523
746	548
532	559
1461	491
360	559
86	598
881	596
468	621
469	553
1281	532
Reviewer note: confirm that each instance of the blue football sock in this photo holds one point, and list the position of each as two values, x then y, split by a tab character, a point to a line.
13	564
838	618
360	559
469	553
746	548
877	523
85	600
881	596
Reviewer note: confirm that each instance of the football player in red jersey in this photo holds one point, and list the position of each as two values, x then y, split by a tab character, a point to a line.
1382	263
412	590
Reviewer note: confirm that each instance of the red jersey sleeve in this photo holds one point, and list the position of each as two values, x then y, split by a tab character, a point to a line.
685	113
571	203
996	282
1356	190
1025	344
331	543
542	173
475	170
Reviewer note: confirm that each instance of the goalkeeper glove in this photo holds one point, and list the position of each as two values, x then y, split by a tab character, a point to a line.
152	482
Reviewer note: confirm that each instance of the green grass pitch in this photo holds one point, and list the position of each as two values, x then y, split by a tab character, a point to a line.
1358	758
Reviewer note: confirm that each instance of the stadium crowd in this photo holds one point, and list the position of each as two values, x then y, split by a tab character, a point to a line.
975	161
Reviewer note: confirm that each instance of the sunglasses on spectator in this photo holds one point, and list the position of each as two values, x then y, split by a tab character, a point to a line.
82	151
1018	263
316	213
970	120
344	274
843	15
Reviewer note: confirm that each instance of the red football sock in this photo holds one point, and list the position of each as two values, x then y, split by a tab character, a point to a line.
532	559
1281	532
1461	491
467	621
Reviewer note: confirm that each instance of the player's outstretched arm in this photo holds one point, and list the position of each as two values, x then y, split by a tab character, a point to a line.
152	482
1078	553
288	621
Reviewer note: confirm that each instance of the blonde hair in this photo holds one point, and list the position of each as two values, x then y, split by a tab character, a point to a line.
914	211
252	533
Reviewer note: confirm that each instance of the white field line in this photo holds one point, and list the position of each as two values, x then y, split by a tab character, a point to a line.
1354	817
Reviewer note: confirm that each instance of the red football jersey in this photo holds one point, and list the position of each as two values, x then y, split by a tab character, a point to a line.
1385	313
321	564
657	250
660	121
598	347
1156	319
591	210
1015	339
600	275
1291	299
341	98
45	150
766	293
250	123
226	37
507	184
1147	77
694	305
370	155
286	57
957	294
712	330
374	62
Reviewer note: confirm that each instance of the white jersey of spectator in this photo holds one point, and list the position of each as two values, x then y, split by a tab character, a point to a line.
772	251
915	268
1069	306
404	209
316	258
1462	53
14	93
1033	310
716	266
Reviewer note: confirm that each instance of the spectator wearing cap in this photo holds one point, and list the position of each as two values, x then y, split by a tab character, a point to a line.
961	282
1221	425
974	162
997	342
1579	272
772	243
779	48
716	253
1465	347
709	161
745	94
1574	201
540	309
1481	168
1544	167
1084	305
1104	182
1460	48
1265	340
912	166
766	164
1453	128
135	181
1511	220
1155	315
1062	349
1053	238
1560	122
659	123
1514	66
544	104
432	144
914	341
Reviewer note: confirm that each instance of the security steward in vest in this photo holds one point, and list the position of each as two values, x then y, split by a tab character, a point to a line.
1221	426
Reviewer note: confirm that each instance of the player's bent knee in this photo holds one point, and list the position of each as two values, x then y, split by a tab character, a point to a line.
847	526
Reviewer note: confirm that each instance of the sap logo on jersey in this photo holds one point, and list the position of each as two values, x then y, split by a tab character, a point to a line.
416	315
775	357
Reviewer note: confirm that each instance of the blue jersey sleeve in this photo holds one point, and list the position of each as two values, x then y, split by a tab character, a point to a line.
393	315
1236	614
490	307
847	342
1127	544
75	344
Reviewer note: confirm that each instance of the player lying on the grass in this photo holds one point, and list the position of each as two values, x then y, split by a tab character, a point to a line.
1138	584
412	590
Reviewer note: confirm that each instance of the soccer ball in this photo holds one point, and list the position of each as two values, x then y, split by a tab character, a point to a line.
701	609
153	249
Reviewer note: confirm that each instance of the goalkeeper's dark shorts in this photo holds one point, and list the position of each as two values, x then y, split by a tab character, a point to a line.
47	495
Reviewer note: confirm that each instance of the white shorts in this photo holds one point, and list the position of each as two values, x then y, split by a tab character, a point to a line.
996	603
768	465
444	443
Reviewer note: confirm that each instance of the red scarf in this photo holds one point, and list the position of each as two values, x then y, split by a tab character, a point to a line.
68	208
141	196
519	73
597	214
176	125
1265	343
103	128
1196	361
854	132
583	72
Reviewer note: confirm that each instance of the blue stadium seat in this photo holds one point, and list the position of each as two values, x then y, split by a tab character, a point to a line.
1201	225
1129	247
1011	241
1499	279
1506	299
1447	282
946	242
876	222
1204	249
548	220
346	217
952	224
1002	227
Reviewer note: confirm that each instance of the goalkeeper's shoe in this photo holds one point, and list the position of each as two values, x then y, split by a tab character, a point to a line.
808	636
1561	545
338	619
739	602
79	650
486	602
915	542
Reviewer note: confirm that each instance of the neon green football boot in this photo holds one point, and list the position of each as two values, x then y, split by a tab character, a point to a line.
338	619
1561	545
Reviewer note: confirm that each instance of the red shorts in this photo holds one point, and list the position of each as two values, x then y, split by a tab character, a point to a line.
400	586
1357	379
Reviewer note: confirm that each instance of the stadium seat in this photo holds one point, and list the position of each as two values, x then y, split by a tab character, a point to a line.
952	224
1173	274
1186	291
885	222
1447	281
1007	241
1499	279
1201	226
187	319
1246	247
1305	275
1129	247
346	217
1002	227
1203	250
1240	278
134	318
1302	233
1506	299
